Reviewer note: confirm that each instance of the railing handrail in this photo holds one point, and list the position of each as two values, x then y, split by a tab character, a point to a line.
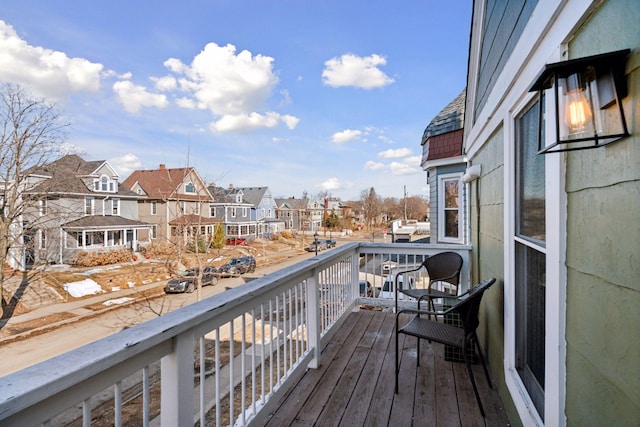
93	367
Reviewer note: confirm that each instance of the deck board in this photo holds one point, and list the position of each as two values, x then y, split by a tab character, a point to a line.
354	384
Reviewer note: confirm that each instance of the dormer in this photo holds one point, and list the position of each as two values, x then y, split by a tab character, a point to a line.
239	196
105	184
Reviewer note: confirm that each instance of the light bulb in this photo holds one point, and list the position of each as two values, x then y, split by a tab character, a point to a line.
577	115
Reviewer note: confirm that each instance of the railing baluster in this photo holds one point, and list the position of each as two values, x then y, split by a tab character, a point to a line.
145	396
217	380
86	413
117	406
231	372
203	372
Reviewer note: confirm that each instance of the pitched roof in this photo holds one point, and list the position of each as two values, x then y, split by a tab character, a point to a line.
104	221
450	118
162	183
253	195
192	219
65	176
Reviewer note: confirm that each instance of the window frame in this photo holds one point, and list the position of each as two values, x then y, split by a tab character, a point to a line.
115	207
442	179
556	273
89	206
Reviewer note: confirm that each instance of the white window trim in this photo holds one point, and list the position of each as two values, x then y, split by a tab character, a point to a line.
153	209
115	206
555	297
441	204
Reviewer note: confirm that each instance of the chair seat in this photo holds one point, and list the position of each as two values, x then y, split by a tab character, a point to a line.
425	293
434	331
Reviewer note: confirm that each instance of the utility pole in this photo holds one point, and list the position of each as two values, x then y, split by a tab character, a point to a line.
405	202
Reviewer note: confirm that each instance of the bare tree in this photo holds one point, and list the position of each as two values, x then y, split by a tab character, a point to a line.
371	205
30	136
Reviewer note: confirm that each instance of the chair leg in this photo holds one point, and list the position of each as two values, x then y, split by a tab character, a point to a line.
473	380
484	364
397	358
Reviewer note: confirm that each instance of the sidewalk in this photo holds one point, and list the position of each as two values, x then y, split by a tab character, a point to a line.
66	312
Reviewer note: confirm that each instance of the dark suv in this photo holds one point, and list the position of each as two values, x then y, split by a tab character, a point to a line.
188	280
237	266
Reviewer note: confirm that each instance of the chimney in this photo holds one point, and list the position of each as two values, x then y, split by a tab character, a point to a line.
230	186
162	166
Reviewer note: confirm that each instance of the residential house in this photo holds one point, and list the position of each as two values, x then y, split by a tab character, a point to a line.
300	214
78	205
559	230
445	165
229	207
247	212
176	202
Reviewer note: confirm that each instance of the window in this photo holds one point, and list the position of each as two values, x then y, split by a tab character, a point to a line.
189	188
43	207
43	239
115	206
104	184
154	208
154	231
88	206
183	207
197	209
450	220
530	257
212	211
244	212
233	212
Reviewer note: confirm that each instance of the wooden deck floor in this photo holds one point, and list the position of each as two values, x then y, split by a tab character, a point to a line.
354	384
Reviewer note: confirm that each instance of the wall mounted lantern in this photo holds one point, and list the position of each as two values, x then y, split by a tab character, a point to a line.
587	93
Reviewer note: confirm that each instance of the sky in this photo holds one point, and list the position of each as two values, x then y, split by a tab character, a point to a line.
298	96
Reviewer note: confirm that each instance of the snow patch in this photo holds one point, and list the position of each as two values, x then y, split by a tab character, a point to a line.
117	301
82	288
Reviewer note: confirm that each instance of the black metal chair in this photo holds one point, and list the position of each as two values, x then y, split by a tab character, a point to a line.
467	306
441	267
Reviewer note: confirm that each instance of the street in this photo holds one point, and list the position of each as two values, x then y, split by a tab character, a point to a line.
23	353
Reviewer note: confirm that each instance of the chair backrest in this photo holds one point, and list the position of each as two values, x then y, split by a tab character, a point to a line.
469	305
445	267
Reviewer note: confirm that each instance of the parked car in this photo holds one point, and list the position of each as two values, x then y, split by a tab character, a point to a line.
319	245
366	290
237	241
237	266
330	243
188	280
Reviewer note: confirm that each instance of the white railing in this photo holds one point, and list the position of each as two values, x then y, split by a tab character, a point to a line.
221	361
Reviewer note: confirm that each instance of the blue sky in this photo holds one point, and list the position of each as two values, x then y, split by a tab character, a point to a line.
294	95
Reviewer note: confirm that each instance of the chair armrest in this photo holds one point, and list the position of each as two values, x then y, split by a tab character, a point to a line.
432	312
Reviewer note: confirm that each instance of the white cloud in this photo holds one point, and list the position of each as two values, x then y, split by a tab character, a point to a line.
329	184
290	121
398	168
126	164
234	87
375	166
395	154
47	72
134	97
165	83
345	136
252	121
352	70
413	161
187	103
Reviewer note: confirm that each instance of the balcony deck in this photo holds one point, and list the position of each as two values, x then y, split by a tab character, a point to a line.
354	384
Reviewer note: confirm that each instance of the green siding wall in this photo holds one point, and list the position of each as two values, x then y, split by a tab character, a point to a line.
487	237
603	247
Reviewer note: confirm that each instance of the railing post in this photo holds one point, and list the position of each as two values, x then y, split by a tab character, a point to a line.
313	313
177	382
